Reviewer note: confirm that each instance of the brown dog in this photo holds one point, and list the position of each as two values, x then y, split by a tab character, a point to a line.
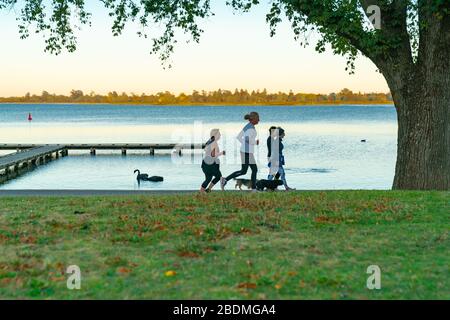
243	182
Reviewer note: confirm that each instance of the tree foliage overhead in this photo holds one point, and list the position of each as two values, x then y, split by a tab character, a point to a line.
58	20
344	24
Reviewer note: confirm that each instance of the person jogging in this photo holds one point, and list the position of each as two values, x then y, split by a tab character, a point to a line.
211	162
275	156
248	140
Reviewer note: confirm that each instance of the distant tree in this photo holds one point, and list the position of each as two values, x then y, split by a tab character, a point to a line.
45	96
332	97
76	95
345	92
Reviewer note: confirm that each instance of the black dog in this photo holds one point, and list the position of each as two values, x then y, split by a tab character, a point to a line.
144	177
271	185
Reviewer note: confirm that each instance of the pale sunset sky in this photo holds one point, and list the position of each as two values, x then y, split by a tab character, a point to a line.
235	51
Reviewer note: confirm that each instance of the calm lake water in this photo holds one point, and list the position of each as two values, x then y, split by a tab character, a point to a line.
323	147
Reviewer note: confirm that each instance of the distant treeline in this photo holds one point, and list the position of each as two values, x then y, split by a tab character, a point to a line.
218	97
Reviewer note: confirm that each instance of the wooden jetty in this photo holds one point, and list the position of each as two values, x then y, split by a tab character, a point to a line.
123	147
28	156
14	164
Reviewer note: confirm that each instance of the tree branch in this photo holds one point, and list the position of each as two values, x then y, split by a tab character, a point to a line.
391	43
341	21
367	3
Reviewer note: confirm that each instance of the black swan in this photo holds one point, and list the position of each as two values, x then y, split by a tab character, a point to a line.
140	176
144	177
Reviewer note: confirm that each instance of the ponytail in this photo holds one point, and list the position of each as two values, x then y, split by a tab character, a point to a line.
251	116
211	140
213	134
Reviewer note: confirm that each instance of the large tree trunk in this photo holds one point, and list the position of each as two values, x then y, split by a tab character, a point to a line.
423	156
421	93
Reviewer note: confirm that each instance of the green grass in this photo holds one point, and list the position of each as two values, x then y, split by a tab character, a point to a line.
305	245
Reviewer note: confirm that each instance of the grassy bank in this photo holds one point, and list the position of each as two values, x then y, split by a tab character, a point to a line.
264	246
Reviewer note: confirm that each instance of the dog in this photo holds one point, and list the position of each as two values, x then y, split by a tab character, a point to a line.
144	177
271	185
243	182
248	182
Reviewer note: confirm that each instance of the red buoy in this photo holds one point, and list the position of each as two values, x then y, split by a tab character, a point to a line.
30	117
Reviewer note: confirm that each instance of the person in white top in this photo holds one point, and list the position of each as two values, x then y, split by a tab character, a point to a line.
248	139
211	162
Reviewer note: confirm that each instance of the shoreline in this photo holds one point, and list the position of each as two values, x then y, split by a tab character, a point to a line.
200	104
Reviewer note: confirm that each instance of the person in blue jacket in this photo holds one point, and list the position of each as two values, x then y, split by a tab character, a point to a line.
275	155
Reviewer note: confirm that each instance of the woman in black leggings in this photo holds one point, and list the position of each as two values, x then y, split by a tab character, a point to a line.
211	162
248	140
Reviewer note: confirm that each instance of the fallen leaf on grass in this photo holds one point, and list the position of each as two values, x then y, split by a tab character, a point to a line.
380	208
28	239
124	218
61	267
123	270
170	273
188	254
325	219
160	228
3	238
247	285
57	279
245	231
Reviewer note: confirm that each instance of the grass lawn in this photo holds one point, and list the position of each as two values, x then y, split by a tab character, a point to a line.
303	245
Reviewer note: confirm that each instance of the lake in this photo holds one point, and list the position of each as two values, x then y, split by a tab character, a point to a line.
323	147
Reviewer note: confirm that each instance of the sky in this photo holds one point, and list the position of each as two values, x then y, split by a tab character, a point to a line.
235	51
